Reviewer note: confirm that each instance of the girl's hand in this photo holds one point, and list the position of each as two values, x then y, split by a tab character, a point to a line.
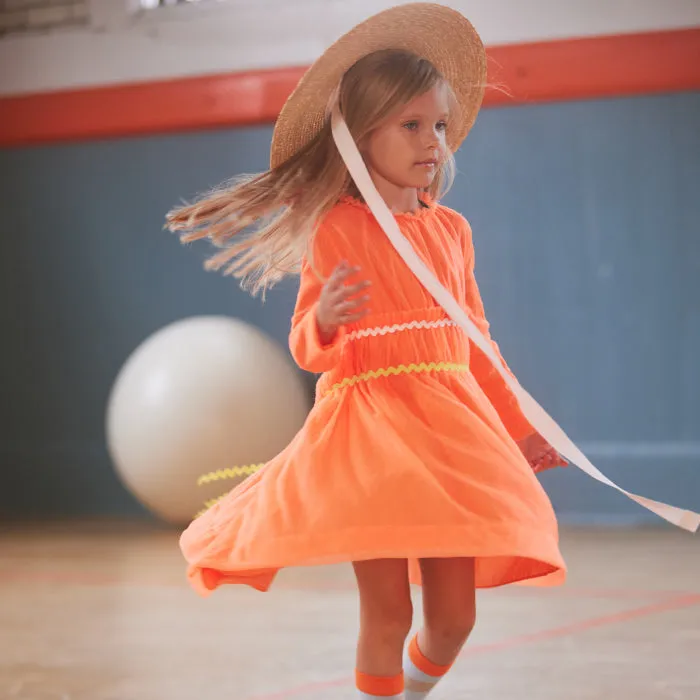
540	454
339	303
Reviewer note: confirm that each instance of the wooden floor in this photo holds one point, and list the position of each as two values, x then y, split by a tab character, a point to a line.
102	612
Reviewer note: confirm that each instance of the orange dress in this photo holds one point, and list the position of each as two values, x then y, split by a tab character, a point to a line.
410	449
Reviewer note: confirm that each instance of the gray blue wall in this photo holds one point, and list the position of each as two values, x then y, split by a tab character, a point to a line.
586	220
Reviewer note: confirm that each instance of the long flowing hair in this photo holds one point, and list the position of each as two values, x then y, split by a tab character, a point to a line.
264	223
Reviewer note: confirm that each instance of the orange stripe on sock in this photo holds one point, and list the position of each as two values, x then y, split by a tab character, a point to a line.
424	664
381	686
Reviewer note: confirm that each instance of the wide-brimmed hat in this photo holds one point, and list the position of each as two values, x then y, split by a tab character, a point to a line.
437	33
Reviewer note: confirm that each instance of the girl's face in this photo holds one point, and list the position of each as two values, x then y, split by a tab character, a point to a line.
407	149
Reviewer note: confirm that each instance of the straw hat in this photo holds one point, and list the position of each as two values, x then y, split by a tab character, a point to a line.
434	32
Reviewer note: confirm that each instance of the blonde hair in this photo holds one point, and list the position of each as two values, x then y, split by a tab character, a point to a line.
286	203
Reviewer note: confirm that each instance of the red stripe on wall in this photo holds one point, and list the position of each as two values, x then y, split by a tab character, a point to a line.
583	68
610	66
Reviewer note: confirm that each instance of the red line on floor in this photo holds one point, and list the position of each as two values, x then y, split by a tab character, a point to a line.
677	603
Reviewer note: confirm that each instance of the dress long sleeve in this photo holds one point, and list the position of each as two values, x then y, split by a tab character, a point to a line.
304	340
487	376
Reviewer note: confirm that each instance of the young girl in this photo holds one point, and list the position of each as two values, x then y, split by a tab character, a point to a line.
416	462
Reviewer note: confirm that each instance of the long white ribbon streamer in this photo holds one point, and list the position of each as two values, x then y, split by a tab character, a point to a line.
536	415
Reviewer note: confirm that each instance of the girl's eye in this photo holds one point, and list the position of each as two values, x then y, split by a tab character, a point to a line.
441	126
411	126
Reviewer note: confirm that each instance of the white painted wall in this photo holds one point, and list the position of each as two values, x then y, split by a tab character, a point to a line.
234	35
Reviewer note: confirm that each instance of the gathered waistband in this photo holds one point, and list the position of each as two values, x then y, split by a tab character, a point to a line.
408	342
399	327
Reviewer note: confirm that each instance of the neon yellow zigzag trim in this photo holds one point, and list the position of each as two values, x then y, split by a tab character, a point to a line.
229	473
398	369
208	504
212	501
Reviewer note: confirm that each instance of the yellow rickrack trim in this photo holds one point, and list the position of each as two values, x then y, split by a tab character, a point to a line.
208	504
398	369
229	473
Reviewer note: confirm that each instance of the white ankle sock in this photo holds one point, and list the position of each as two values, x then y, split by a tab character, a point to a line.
421	674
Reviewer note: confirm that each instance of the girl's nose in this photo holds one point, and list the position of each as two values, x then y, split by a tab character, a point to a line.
431	138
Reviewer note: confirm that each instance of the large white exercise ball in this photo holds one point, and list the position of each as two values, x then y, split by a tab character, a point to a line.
202	395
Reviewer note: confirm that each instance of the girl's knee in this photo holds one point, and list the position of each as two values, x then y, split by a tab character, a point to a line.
452	630
385	597
391	619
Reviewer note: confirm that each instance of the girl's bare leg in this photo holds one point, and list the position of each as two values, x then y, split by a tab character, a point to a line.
386	614
449	610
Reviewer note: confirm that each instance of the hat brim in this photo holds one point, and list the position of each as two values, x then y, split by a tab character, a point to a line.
439	34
